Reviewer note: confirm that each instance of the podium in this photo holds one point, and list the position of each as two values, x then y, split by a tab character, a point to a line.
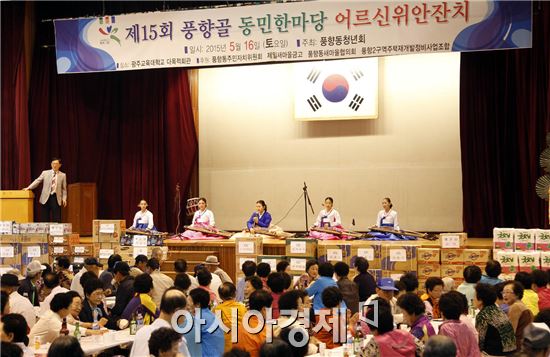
16	205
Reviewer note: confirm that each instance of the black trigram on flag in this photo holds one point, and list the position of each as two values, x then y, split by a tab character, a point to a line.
357	73
314	103
313	75
356	102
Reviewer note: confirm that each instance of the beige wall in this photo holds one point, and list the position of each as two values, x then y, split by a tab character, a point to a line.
251	148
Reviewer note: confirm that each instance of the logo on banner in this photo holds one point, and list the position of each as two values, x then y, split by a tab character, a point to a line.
107	29
343	89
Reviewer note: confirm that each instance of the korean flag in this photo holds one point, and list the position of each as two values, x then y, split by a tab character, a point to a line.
336	90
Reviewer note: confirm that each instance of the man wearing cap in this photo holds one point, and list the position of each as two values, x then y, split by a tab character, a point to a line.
125	290
213	266
29	286
18	304
90	264
385	289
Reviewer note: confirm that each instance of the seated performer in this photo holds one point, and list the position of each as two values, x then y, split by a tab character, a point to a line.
387	217
261	218
328	218
143	218
203	218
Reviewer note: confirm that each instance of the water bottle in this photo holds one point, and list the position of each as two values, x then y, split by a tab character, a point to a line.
77	332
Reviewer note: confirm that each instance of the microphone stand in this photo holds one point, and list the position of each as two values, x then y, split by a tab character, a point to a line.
306	202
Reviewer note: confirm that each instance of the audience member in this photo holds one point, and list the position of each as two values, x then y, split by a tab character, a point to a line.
439	346
260	300
326	271
434	289
172	301
349	289
249	269
540	282
276	348
29	286
63	271
65	346
385	290
536	341
448	284
125	290
164	342
183	282
108	274
298	334
252	283
411	282
213	266
311	274
213	342
15	329
452	306
90	264
18	304
139	265
142	302
92	307
180	266
530	297
263	270
229	305
51	281
276	283
283	267
204	278
543	316
161	281
332	302
492	271
413	310
5	303
496	334
8	349
472	275
365	282
520	316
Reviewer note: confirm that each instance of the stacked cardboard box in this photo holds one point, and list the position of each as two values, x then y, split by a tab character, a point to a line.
106	239
428	264
398	259
298	251
272	260
372	251
247	249
333	252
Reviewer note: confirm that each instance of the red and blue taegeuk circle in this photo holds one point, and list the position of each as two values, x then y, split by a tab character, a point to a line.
335	88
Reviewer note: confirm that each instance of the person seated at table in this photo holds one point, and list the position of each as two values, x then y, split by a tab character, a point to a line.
204	278
14	330
298	334
76	308
161	281
227	293
108	275
413	309
464	315
48	326
472	276
263	270
172	301
213	265
326	271
142	302
411	282
65	346
259	301
249	269
434	289
92	307
164	342
349	289
520	316
451	306
311	274
125	289
328	218
385	289
18	304
140	265
540	282
332	299
143	219
439	346
212	342
63	270
492	271
180	266
203	218
496	334
448	284
261	218
530	297
387	341
30	286
276	284
9	349
51	282
251	284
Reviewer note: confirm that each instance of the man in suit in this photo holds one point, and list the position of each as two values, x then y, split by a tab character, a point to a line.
54	191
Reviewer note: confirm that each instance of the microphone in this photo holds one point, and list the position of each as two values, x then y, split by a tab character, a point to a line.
353	221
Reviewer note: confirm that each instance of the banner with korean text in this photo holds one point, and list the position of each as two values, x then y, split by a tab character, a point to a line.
288	32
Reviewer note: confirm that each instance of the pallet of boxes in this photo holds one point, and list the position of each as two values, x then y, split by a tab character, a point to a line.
106	240
521	250
64	243
20	243
247	249
298	251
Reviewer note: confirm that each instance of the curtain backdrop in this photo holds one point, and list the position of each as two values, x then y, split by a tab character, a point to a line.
132	133
16	167
504	118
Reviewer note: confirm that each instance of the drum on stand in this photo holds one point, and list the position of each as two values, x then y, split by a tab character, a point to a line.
192	206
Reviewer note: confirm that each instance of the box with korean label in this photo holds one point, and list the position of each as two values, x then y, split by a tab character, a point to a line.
453	240
503	239
429	255
6	227
477	257
524	239
82	250
399	257
528	261
58	229
57	250
108	230
301	247
240	259
372	251
10	254
542	239
34	238
508	261
298	264
249	246
333	252
272	260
